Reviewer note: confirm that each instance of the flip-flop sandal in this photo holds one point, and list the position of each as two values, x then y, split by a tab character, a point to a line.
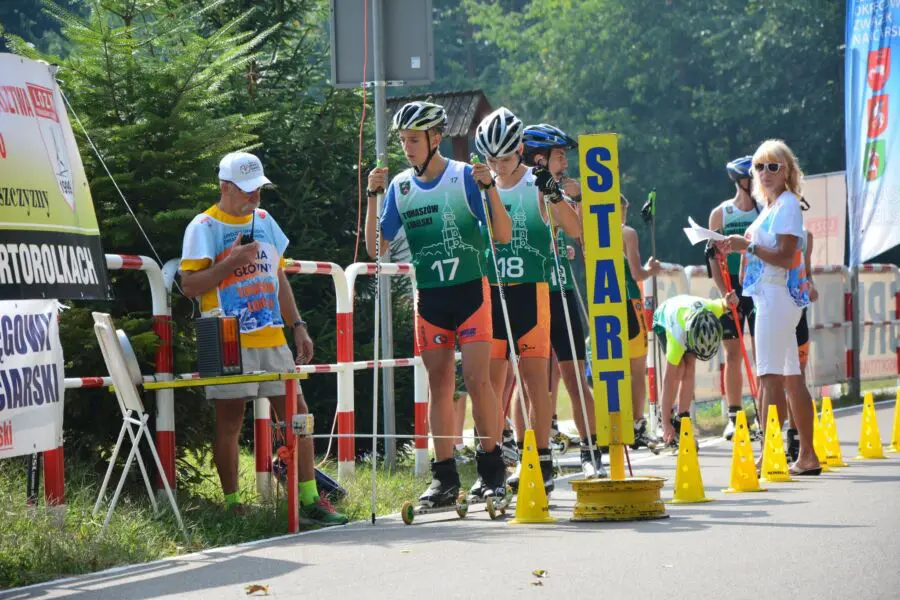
797	472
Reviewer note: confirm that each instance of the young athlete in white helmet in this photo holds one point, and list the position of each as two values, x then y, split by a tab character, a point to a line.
438	203
523	268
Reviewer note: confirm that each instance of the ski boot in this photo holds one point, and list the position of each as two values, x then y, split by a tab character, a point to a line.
793	445
546	460
642	438
490	486
559	441
508	446
592	469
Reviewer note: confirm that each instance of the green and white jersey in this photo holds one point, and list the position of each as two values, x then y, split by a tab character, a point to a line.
735	222
441	221
527	258
670	320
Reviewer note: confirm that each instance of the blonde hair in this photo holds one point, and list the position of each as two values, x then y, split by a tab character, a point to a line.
776	151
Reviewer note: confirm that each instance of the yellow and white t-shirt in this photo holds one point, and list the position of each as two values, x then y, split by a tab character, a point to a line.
250	292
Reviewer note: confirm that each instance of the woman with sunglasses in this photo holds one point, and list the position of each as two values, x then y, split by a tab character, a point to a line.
775	277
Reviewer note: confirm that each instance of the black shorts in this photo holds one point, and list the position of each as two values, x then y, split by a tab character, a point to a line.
745	314
559	336
529	318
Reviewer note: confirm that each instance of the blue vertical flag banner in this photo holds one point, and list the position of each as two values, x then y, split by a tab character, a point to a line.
604	261
872	128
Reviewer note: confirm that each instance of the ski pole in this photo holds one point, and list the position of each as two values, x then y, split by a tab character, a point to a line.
513	356
378	202
726	278
560	274
648	213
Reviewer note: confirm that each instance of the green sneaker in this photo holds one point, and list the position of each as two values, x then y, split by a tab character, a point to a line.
322	513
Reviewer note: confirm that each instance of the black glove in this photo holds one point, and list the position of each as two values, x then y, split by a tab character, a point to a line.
548	186
710	254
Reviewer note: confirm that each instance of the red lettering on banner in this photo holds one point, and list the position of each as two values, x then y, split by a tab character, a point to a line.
2	147
879	68
820	228
14	101
878	115
42	100
6	435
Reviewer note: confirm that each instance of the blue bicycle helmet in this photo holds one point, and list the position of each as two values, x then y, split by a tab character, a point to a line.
739	168
544	136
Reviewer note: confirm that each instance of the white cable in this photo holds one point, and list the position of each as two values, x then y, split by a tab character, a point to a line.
562	292
112	179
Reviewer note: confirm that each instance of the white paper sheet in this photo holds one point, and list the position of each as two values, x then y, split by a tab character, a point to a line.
697	234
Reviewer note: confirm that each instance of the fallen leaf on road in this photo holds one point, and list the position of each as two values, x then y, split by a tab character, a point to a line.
537	583
539	573
255	587
405	551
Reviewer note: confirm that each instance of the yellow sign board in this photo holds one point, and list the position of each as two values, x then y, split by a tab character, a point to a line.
604	259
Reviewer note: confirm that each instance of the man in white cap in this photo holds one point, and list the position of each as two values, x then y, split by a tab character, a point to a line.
232	259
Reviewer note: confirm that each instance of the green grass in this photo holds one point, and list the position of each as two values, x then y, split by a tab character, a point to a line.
33	549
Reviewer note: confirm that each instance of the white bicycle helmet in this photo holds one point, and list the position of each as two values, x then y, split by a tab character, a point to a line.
704	334
499	134
420	116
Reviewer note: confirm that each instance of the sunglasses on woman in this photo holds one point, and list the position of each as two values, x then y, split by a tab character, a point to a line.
772	167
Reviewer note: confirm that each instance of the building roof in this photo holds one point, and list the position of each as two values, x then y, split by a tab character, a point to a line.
465	108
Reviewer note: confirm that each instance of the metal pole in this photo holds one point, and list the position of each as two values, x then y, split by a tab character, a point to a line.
855	341
387	336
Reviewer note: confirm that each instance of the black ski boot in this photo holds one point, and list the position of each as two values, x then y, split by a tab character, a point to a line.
511	452
444	488
642	437
593	468
793	445
546	460
491	470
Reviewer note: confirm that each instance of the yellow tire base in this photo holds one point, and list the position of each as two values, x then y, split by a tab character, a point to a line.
630	499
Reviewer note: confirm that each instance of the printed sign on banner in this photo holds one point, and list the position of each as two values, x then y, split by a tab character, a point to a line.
31	377
605	267
878	347
50	244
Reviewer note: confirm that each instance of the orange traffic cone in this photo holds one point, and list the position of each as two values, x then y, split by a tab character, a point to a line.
774	465
743	467
688	482
869	436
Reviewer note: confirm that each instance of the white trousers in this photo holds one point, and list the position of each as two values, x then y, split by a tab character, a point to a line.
776	319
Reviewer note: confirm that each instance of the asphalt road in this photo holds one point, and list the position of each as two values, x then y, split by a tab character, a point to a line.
835	536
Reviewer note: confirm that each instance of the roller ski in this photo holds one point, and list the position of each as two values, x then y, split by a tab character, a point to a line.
672	445
442	495
489	487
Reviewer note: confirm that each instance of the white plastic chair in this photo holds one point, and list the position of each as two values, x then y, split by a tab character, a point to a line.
125	376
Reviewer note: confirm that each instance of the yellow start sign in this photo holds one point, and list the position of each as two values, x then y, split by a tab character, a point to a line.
604	266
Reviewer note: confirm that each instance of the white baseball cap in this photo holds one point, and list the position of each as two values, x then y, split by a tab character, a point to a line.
243	170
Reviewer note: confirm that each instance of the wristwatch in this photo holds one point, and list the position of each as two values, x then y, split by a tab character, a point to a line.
299	323
751	249
370	193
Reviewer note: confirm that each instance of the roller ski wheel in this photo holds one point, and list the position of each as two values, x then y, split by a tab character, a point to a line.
496	505
410	510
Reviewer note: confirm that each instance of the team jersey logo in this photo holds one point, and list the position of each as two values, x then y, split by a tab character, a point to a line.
404	187
729	209
440	339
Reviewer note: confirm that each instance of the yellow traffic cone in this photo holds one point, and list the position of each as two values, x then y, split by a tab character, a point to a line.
869	436
819	441
774	465
834	457
531	503
688	482
895	434
743	467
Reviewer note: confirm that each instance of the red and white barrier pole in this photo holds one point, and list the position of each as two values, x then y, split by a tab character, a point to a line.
262	447
290	401
420	396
